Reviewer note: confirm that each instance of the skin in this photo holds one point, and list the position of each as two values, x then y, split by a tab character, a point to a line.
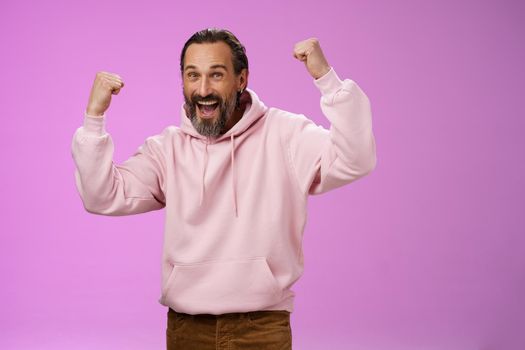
203	57
105	85
310	53
208	69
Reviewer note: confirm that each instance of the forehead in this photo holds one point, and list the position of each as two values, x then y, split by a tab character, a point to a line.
205	55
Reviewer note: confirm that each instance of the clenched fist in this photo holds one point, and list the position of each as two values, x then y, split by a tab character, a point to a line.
309	51
104	86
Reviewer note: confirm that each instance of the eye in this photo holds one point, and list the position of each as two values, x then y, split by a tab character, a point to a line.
192	75
217	75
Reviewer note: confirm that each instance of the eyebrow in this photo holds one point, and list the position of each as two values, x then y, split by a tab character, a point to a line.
219	66
215	66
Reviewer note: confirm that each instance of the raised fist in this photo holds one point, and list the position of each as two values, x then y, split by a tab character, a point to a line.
105	85
309	51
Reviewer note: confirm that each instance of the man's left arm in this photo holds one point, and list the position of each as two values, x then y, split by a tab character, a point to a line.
326	159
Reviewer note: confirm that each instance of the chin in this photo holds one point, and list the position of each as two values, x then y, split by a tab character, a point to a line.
207	120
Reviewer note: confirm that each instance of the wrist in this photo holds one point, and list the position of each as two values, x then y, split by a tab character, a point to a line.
94	113
322	72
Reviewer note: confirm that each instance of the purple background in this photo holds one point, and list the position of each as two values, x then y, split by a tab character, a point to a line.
424	253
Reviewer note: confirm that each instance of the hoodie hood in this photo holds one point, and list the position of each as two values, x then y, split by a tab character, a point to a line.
255	109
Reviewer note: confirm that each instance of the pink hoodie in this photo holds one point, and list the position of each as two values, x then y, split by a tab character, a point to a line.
235	205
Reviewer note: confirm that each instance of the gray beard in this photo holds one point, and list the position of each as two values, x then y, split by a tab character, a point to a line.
212	128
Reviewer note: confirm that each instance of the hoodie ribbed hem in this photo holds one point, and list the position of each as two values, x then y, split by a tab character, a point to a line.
95	124
329	83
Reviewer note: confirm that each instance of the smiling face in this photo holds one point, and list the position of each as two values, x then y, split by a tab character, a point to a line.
210	86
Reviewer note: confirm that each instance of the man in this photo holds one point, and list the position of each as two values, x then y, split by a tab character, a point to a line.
234	179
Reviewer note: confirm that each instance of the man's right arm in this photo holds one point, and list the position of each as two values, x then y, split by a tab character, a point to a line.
132	187
135	186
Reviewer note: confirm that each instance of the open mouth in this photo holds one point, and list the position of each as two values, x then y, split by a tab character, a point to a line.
207	108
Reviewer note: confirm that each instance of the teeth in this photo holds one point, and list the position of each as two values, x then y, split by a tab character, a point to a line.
207	103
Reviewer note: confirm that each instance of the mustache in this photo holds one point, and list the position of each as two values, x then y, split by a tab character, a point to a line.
211	97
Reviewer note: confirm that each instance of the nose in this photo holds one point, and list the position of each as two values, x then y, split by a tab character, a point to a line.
204	87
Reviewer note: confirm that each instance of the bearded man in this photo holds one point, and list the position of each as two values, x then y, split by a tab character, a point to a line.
234	180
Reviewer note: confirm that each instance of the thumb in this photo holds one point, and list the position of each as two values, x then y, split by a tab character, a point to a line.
300	57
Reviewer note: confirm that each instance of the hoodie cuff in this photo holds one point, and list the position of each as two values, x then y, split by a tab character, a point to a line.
95	124
329	83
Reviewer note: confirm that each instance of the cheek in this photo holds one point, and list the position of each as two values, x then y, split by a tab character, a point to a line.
188	87
227	91
187	92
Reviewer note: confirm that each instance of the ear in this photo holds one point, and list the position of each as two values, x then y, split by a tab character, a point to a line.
243	79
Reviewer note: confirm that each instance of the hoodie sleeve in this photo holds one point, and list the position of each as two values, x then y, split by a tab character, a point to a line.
327	159
133	187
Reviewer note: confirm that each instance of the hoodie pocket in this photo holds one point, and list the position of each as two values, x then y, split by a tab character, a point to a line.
222	286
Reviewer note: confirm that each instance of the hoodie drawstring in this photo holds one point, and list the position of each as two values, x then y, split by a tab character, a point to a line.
204	171
233	175
234	179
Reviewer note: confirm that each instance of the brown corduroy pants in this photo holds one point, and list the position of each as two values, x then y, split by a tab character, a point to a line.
256	330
